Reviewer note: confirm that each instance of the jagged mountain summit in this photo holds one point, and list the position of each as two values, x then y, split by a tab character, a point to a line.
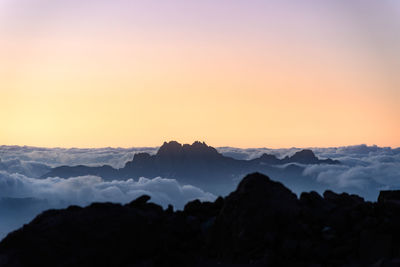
197	150
197	164
261	223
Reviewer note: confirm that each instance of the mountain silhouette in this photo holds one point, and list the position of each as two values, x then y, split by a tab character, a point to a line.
197	164
261	223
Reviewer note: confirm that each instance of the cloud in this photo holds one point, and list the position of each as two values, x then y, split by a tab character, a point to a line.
27	168
380	174
116	157
354	152
22	197
252	153
365	170
83	190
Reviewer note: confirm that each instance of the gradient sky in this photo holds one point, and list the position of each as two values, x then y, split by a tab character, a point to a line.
240	73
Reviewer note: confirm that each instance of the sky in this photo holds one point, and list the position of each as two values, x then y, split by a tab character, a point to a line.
285	73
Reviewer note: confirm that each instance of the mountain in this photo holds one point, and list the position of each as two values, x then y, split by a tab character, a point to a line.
197	164
261	223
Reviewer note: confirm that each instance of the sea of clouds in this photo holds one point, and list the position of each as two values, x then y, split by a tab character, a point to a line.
363	170
116	157
84	190
22	197
362	167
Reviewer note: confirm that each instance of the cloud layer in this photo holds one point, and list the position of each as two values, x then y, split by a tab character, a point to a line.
365	170
116	157
86	189
22	198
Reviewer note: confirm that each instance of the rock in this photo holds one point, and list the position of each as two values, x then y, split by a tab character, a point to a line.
392	196
305	156
316	203
257	207
374	246
170	209
342	199
142	200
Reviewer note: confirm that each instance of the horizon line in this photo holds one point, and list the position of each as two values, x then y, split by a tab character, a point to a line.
183	143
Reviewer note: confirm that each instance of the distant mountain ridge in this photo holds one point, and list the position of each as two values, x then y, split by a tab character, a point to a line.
197	164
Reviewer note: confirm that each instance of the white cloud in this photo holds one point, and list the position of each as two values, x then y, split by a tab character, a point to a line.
116	157
22	198
385	174
252	153
364	170
83	190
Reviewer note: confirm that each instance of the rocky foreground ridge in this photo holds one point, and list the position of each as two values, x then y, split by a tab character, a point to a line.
261	223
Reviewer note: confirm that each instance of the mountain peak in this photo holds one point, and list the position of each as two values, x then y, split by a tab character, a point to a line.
174	148
305	156
170	148
305	152
199	144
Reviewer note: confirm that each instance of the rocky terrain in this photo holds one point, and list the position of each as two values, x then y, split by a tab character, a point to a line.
261	223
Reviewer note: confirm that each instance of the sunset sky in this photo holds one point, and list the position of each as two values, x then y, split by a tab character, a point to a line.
80	73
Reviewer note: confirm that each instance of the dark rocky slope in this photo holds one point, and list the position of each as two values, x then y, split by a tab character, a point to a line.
262	223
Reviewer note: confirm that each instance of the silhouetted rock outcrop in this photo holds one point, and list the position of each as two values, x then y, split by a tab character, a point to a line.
305	156
241	221
261	223
388	196
197	164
